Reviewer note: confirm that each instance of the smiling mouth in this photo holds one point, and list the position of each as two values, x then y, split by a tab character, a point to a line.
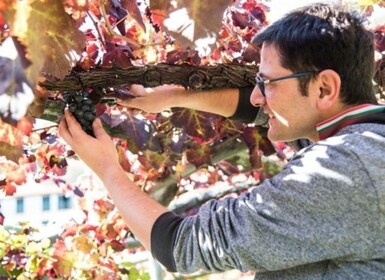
262	118
271	118
270	115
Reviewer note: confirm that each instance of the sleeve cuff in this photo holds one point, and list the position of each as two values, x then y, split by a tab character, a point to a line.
163	236
245	112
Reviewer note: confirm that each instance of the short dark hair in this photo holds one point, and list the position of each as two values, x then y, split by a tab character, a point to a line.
319	37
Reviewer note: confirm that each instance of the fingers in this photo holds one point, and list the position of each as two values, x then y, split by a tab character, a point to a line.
64	131
137	92
69	128
73	126
66	126
131	108
136	105
124	102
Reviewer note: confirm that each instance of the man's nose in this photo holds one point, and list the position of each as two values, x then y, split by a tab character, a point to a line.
256	97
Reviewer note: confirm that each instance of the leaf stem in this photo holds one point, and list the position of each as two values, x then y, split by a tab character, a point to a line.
111	30
97	28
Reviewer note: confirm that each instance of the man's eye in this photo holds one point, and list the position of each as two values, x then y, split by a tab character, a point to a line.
272	84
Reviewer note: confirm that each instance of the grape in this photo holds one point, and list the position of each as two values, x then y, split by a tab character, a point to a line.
82	107
86	108
72	107
78	98
89	116
79	114
88	101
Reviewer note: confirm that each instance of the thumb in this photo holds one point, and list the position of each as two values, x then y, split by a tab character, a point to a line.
98	129
138	90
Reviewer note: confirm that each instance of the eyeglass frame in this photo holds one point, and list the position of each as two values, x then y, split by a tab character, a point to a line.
262	83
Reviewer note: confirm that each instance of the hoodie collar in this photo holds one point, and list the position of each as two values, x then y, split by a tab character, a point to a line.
364	113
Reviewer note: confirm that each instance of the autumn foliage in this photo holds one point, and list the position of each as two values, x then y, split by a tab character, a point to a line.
166	154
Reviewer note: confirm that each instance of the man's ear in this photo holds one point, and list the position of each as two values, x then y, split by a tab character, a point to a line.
329	86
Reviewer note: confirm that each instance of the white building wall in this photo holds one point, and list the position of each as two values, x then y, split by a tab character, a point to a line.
49	222
33	210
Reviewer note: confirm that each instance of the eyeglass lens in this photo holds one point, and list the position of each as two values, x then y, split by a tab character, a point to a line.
261	84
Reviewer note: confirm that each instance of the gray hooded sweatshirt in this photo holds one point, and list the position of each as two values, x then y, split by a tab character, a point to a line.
321	217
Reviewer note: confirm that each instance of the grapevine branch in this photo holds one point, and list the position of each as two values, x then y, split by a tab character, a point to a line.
193	77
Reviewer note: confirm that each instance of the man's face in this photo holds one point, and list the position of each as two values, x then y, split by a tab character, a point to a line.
292	116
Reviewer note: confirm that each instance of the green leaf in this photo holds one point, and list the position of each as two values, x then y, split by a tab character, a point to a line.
3	249
136	275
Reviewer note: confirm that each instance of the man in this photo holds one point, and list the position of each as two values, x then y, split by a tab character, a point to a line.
323	215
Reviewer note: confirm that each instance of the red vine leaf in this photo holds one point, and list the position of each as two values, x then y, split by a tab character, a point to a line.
136	130
11	175
132	7
199	155
251	54
183	56
117	246
9	189
258	145
115	9
257	10
126	165
228	168
25	125
117	55
255	157
198	125
240	19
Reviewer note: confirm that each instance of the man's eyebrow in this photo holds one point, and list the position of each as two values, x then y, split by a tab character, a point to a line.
262	75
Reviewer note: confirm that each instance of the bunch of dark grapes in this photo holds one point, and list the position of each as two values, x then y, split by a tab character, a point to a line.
82	107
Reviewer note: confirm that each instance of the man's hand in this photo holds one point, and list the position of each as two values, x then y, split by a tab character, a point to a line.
138	209
153	100
165	97
98	152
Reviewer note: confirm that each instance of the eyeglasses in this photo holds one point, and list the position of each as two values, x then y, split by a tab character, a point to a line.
262	83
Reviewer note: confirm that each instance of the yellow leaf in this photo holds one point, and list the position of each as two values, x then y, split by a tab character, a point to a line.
367	2
20	24
54	43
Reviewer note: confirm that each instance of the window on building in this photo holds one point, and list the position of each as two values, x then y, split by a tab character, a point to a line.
46	203
20	205
64	202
